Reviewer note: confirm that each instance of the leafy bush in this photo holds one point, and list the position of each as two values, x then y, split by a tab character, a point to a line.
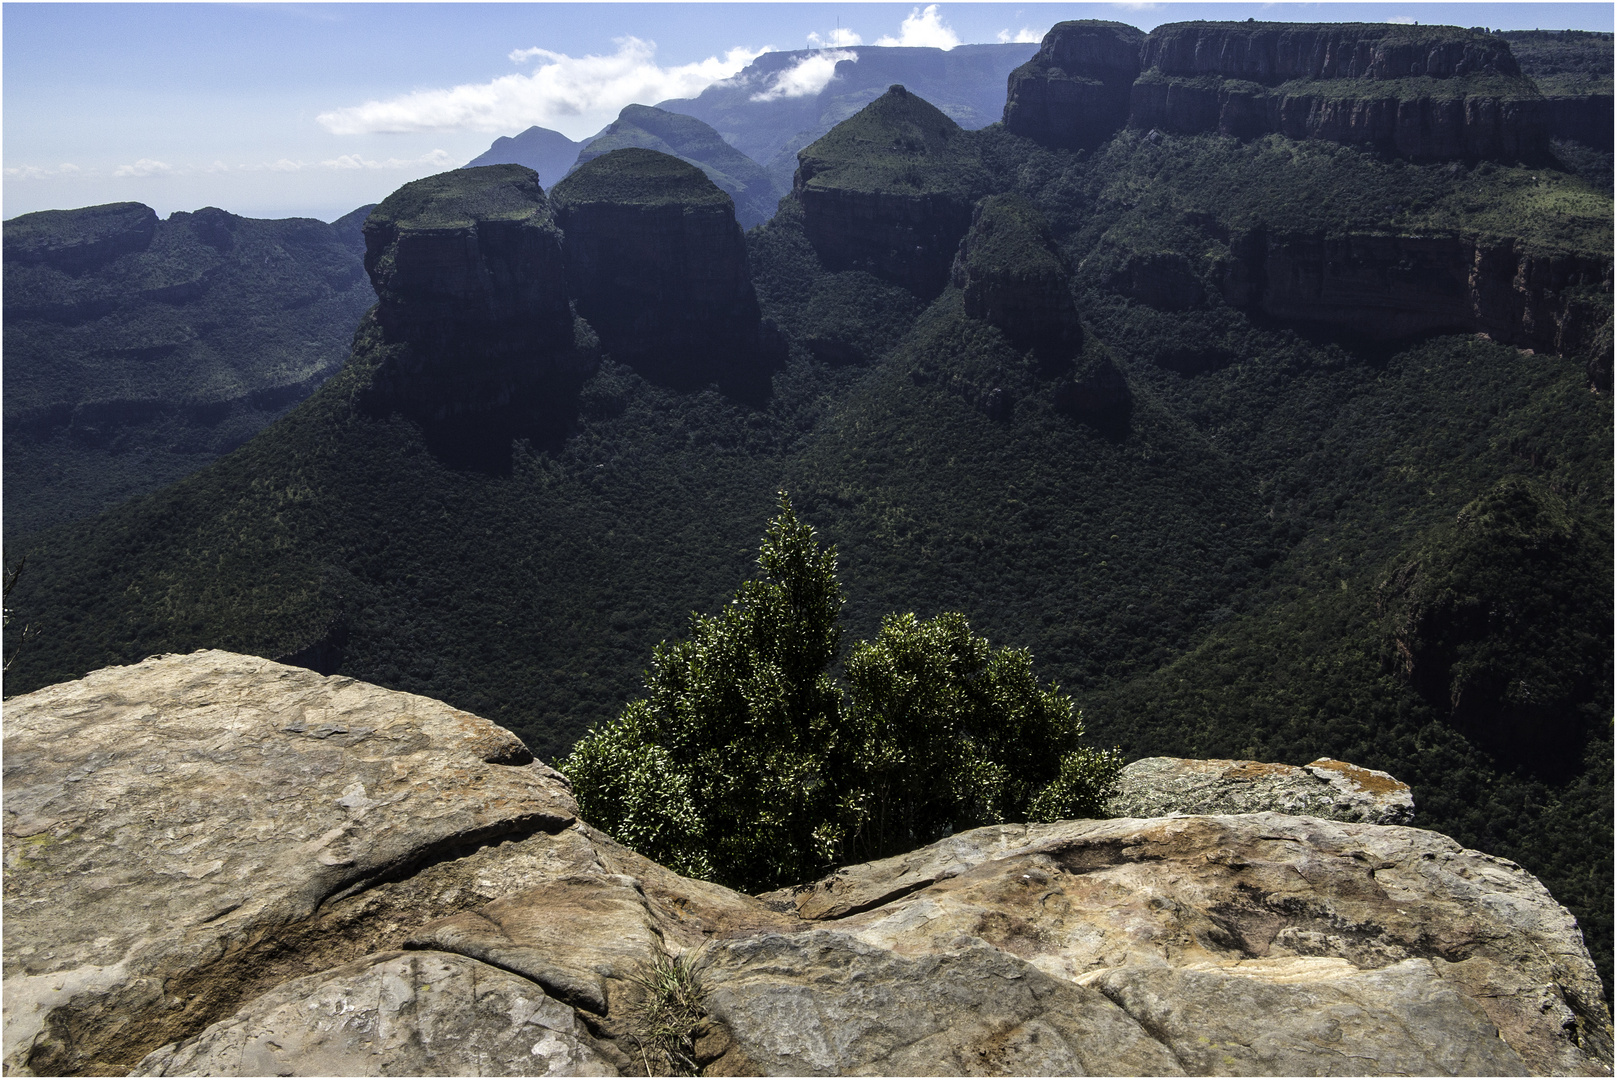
748	764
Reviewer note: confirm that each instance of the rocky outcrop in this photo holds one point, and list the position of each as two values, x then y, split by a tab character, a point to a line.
1497	119
1011	275
1075	92
658	265
1273	53
473	309
1158	786
695	143
182	834
1390	285
890	190
218	865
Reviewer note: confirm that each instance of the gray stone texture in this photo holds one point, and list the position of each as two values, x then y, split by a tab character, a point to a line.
221	865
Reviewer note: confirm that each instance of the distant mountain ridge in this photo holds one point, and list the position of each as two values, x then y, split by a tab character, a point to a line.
548	153
139	349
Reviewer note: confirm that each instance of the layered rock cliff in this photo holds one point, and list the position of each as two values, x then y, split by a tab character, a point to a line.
1422	93
890	191
1390	285
658	265
1075	92
218	865
1012	275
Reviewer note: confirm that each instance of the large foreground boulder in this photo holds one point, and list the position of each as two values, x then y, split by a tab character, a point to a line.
219	865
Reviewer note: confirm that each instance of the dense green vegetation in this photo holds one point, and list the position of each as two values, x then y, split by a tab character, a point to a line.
750	764
638	176
899	143
1563	62
1213	569
460	199
138	350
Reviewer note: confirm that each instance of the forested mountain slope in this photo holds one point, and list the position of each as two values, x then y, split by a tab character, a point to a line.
138	350
1302	450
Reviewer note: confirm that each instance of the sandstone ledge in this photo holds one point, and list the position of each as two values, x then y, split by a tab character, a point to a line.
234	867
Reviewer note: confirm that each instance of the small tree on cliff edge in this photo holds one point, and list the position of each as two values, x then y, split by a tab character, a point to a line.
749	765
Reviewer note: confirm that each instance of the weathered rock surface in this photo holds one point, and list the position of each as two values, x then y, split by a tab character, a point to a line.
170	827
1158	786
394	1014
890	190
215	861
658	265
1075	92
1290	944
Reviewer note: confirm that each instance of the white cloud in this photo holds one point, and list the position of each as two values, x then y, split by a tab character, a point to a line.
348	162
144	167
924	27
1403	20
839	38
1026	34
562	87
808	76
27	172
67	168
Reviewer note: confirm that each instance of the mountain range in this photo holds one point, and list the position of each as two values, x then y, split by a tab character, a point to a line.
1255	377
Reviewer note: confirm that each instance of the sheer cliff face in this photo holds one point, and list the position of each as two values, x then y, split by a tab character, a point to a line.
1391	286
477	334
658	266
467	267
1273	53
890	190
1425	94
1075	92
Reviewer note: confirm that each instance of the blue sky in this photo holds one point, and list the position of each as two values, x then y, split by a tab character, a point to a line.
283	109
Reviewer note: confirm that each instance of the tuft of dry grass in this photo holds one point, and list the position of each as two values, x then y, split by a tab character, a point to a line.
665	1019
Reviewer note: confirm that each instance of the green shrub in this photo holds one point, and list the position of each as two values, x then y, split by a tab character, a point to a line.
748	764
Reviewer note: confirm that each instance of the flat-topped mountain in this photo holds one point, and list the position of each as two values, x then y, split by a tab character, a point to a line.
1422	93
139	349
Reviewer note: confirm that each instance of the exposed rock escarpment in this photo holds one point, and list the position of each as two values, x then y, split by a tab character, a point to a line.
1391	285
1423	93
237	868
890	190
481	345
659	268
1075	92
